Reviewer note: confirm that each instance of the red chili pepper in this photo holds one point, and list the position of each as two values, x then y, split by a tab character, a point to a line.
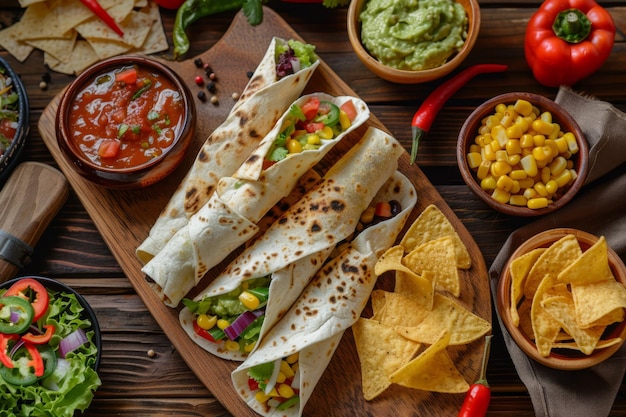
97	9
40	339
425	115
568	40
478	396
39	298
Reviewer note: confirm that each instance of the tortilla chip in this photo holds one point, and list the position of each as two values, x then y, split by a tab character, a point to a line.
381	352
437	256
519	269
61	49
461	324
591	266
38	22
432	370
400	310
156	41
551	262
596	300
433	224
419	288
545	327
11	41
82	57
562	310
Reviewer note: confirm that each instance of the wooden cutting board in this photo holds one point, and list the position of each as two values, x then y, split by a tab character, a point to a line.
124	219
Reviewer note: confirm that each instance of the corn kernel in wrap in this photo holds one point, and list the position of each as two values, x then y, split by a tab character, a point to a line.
334	300
322	218
229	218
264	100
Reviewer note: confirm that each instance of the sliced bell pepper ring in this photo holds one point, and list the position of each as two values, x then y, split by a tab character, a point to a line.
40	339
4	348
27	368
35	292
328	113
16	314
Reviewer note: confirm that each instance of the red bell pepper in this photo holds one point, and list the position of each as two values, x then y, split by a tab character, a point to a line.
32	290
568	40
5	359
40	339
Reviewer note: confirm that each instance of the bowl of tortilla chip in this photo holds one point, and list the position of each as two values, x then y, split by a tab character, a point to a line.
126	122
562	298
14	119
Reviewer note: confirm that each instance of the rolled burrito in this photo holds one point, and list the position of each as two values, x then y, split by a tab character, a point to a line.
269	174
305	234
302	343
265	98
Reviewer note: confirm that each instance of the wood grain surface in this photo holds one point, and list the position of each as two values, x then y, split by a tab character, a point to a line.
124	218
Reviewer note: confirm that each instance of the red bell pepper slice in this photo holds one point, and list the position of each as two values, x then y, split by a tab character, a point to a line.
32	290
36	361
40	339
4	348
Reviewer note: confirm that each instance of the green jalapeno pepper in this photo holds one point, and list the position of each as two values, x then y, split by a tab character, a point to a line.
16	314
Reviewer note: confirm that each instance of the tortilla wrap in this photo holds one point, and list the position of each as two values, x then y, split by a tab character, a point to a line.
308	231
263	101
229	218
334	300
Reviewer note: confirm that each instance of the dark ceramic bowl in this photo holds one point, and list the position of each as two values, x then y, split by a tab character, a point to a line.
89	313
10	157
470	130
564	359
146	173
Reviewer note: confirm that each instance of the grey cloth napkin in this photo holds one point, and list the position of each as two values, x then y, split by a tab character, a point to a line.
599	208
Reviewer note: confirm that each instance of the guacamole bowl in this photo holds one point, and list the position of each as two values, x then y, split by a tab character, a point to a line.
523	173
406	76
126	122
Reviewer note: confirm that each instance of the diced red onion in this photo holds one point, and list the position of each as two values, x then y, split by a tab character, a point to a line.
72	342
16	346
239	325
15	317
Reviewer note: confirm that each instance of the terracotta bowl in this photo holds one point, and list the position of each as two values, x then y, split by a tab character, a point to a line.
472	9
469	131
129	177
564	359
9	158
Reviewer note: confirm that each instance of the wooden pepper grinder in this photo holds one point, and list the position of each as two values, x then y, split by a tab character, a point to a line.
30	199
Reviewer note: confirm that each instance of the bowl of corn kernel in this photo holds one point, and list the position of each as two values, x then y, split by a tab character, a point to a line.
522	154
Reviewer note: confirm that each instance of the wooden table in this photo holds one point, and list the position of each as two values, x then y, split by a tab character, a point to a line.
73	251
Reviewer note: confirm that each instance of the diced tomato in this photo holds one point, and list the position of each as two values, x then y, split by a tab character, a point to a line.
267	164
253	384
349	109
310	107
41	338
109	148
313	127
203	333
383	209
38	295
128	76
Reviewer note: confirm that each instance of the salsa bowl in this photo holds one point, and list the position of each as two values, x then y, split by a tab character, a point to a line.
514	306
526	171
406	76
126	122
15	126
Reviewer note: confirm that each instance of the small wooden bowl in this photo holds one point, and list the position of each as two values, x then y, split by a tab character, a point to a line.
136	176
10	157
564	359
469	131
472	9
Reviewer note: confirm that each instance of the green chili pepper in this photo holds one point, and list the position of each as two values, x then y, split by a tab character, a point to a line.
16	314
192	10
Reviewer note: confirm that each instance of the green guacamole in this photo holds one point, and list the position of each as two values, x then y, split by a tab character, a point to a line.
413	34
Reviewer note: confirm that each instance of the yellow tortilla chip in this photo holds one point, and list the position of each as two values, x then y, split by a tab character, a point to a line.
437	256
381	352
433	224
562	310
551	262
11	41
591	266
378	304
432	370
400	310
596	300
545	327
419	288
519	269
82	57
461	324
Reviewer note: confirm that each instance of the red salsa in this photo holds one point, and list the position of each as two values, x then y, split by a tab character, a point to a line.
126	117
